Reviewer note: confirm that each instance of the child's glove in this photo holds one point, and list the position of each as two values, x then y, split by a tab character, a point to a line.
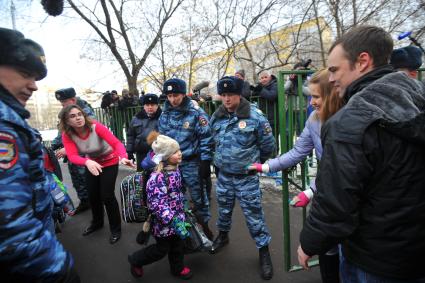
302	199
262	168
180	227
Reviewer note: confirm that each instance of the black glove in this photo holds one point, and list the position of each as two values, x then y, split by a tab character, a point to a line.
256	89
205	169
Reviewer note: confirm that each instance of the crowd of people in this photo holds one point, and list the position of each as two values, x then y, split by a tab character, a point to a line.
367	212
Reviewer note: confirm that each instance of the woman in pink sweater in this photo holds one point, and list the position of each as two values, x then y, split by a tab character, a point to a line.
88	142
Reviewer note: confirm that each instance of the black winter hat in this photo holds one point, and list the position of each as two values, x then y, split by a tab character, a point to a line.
229	84
18	51
65	93
174	86
409	57
149	98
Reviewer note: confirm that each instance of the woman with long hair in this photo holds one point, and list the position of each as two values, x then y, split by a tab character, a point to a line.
102	152
326	103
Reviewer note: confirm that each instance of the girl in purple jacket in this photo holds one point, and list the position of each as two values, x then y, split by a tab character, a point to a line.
166	203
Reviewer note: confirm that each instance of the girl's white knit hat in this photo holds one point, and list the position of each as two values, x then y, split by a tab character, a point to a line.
164	147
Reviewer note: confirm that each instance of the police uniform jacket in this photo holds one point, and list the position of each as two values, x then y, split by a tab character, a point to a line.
189	125
371	182
29	252
241	138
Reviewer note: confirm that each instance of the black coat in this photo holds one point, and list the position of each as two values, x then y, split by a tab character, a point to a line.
140	127
268	100
371	180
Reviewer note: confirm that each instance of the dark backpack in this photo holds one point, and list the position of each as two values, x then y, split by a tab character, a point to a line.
133	198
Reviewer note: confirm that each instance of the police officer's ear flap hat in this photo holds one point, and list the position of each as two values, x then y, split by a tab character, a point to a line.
149	98
65	93
409	57
18	51
229	84
174	86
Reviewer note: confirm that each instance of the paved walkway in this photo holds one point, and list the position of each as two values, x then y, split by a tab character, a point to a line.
99	262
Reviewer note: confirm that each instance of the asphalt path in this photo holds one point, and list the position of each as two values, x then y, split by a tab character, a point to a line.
97	261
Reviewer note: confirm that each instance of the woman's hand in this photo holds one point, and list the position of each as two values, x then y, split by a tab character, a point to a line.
262	168
128	162
60	153
94	167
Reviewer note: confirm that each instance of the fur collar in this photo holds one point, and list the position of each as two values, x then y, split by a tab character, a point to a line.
243	111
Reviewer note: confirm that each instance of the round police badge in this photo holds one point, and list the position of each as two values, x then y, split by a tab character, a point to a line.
186	125
8	151
242	125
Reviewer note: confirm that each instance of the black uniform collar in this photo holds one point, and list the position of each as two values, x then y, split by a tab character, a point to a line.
243	111
13	103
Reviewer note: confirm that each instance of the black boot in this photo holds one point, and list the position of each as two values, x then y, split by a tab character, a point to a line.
266	263
219	242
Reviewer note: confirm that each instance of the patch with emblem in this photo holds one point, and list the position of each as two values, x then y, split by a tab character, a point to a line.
8	151
267	128
203	121
186	125
170	87
242	125
58	96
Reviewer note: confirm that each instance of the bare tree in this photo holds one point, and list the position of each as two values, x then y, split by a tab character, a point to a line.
116	29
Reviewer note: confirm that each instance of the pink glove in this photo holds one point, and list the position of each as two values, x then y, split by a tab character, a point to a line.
262	168
302	199
258	167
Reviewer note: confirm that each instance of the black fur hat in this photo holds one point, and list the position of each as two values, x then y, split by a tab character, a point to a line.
229	84
174	86
65	93
21	52
409	57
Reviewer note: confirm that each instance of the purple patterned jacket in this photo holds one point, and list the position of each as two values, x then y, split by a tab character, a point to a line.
165	203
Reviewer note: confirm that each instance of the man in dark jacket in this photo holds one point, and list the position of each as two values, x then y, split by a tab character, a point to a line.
370	185
141	125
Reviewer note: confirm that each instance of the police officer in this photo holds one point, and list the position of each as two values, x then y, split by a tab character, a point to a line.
407	59
188	124
29	252
67	96
242	135
141	125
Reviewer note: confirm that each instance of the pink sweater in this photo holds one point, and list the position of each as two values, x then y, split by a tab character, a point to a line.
99	145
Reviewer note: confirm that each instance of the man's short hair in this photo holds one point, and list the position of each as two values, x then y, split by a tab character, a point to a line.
264	72
370	39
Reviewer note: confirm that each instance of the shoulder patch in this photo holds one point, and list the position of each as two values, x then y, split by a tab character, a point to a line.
203	122
8	151
267	128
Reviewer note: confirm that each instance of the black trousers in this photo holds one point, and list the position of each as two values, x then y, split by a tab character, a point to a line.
102	192
173	246
329	268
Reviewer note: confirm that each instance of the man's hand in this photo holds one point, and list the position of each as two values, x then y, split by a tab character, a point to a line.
60	153
303	258
94	167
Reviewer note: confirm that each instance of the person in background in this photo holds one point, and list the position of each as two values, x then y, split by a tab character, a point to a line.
242	136
67	96
188	124
166	202
29	251
266	89
320	90
141	125
246	89
102	151
370	183
407	59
